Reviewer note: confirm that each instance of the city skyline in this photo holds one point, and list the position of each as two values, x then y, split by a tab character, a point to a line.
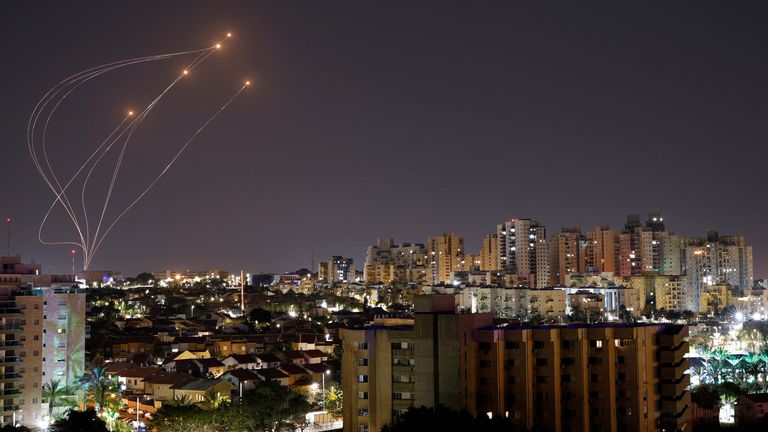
463	118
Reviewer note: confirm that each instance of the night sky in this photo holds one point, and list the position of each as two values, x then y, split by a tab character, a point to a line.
392	119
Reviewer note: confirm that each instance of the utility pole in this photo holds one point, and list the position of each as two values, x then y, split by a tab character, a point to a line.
8	241
74	252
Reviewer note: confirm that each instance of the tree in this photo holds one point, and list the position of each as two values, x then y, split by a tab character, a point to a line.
716	364
625	315
80	421
215	400
102	391
175	417
260	315
334	400
57	395
145	278
267	408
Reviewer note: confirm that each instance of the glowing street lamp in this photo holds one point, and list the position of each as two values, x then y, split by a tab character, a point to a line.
327	372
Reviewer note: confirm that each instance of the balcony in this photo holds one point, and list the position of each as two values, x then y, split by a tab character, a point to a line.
9	393
11	376
11	313
673	372
675	422
677	387
674	355
9	360
8	409
10	343
11	328
677	405
673	336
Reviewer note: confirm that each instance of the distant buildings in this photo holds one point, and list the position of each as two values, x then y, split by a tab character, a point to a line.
387	262
445	256
522	247
337	269
668	271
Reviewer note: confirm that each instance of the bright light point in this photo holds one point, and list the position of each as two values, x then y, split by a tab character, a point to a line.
218	45
247	83
739	316
130	113
229	34
185	72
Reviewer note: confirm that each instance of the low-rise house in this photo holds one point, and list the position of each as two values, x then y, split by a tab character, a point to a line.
272	374
132	378
159	384
316	371
295	373
211	367
124	347
197	390
242	377
267	360
241	361
315	356
292	357
188	343
187	355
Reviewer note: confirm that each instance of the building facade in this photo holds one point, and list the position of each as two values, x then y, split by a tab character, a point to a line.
580	377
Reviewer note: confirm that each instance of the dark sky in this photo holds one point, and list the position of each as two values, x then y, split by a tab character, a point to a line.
393	119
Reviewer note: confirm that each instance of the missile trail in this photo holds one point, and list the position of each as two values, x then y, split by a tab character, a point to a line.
37	131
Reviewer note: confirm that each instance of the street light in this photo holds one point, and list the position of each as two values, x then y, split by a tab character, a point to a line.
327	372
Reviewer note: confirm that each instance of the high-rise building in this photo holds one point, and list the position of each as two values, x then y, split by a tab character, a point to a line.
489	253
63	335
602	250
445	254
577	377
408	262
585	377
567	254
523	251
337	269
23	331
715	260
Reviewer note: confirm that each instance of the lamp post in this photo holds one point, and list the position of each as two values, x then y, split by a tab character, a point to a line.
137	413
327	372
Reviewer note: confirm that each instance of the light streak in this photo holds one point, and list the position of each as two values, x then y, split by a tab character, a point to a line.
37	127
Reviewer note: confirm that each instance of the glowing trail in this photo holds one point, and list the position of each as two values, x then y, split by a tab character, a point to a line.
168	166
37	128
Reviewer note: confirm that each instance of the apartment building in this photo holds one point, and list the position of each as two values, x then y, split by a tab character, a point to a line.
598	377
580	377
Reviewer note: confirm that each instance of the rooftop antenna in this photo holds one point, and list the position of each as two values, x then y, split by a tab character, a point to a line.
8	241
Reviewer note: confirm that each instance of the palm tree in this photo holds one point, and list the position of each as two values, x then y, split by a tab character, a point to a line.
753	365
57	395
716	364
102	391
